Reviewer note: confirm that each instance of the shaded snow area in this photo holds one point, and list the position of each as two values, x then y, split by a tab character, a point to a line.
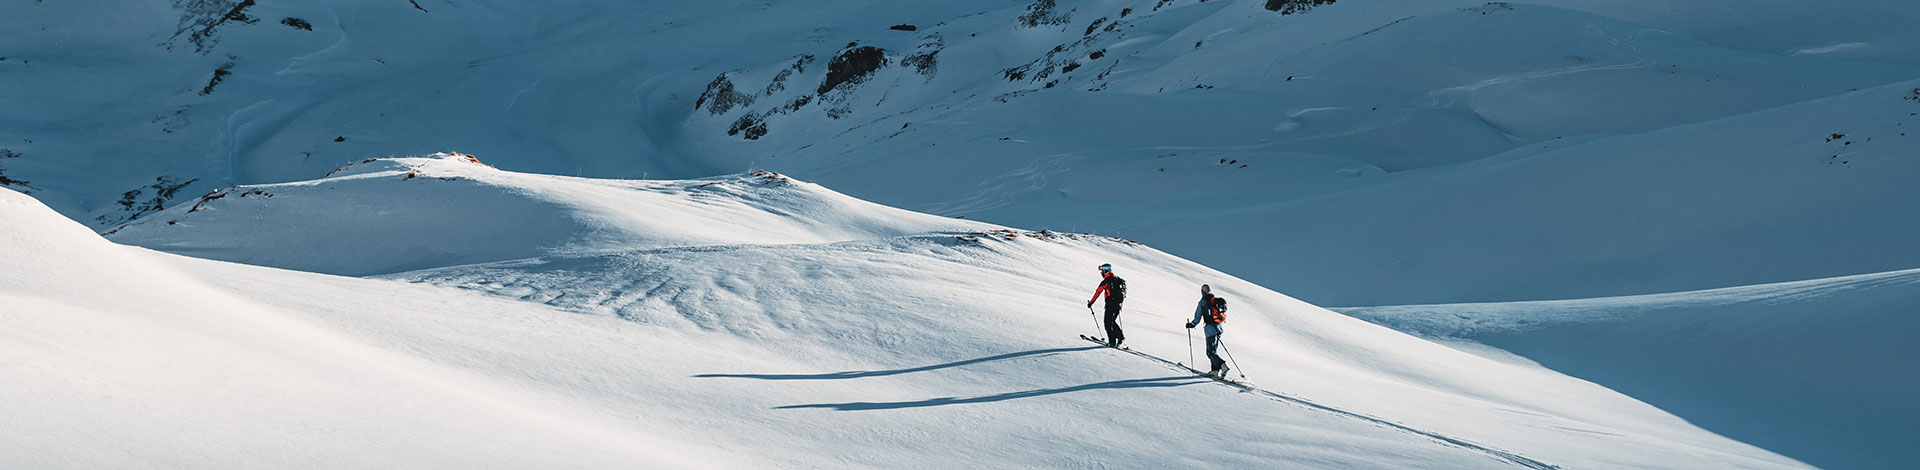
1819	370
953	346
1326	149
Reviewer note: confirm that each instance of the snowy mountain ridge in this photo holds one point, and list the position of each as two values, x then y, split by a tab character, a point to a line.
399	214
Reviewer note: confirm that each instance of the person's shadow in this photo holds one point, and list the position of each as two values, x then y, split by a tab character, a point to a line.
1173	381
878	373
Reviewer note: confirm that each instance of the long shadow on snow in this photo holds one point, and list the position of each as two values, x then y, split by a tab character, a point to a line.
1174	381
879	373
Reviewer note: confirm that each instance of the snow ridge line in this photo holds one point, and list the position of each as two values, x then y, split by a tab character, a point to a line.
1508	457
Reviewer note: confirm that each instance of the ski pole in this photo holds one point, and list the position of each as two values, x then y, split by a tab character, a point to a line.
1190	362
1236	364
1096	319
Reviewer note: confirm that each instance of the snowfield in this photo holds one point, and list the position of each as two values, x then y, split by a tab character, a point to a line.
1817	369
1624	234
949	348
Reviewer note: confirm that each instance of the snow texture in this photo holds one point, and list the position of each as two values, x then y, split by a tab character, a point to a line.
1818	369
937	349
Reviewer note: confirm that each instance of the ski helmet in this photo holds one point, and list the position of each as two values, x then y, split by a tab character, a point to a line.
1106	268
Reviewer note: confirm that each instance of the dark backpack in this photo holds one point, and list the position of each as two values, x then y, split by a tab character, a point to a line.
1218	314
1117	290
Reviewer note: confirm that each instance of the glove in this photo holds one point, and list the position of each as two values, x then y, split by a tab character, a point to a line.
1089	304
1189	325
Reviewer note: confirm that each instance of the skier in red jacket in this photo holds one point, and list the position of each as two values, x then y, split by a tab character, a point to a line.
1116	290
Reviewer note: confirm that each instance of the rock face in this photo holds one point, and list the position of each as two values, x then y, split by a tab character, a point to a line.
852	65
1288	7
721	97
1044	13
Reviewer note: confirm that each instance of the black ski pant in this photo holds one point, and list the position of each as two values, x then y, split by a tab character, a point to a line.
1213	351
1114	336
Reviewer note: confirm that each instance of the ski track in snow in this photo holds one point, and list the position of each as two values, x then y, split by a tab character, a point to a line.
1509	457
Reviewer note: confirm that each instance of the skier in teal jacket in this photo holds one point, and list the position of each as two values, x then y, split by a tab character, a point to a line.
1212	312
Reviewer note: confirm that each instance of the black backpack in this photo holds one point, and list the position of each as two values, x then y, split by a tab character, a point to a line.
1117	291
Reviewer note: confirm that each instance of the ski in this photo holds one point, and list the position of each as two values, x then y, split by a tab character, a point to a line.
1217	378
1104	343
1239	384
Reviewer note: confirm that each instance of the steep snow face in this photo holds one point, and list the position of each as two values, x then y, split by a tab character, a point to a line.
916	350
1819	370
389	215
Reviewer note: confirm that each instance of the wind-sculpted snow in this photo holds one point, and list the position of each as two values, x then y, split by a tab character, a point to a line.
936	295
760	343
1350	153
388	215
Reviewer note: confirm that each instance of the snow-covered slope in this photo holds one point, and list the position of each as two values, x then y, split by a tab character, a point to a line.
942	349
1817	189
116	357
1819	370
1175	122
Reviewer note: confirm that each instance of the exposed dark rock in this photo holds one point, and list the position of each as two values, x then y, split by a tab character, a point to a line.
1094	27
200	18
752	125
219	75
1096	55
340	139
903	27
852	66
201	203
6	153
797	103
1042	12
297	23
1289	7
135	204
779	83
416	6
925	63
721	97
